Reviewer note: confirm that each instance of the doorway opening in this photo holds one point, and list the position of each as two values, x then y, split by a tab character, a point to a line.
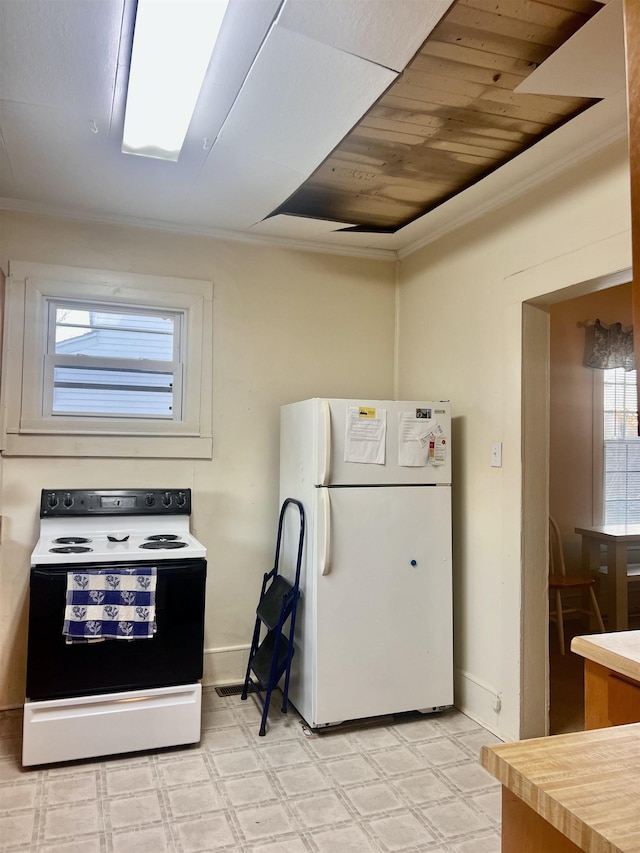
573	395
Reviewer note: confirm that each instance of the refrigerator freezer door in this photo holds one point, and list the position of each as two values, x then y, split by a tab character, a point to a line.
383	612
331	423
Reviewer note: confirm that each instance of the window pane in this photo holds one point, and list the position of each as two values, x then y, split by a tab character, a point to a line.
609	425
615	456
633	485
616	486
633	455
621	448
114	335
112	392
92	335
632	515
616	512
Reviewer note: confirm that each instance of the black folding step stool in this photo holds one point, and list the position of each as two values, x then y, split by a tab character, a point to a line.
270	658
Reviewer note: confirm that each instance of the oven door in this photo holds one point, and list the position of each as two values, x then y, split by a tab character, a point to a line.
173	656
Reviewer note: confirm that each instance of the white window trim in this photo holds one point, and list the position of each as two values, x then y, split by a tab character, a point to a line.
597	479
26	432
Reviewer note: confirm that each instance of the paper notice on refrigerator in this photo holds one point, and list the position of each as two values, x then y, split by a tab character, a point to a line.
412	452
435	431
421	440
366	435
437	451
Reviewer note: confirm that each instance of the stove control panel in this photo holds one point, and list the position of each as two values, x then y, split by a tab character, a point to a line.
70	502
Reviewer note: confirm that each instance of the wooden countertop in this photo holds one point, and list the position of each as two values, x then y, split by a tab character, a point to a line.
619	652
585	784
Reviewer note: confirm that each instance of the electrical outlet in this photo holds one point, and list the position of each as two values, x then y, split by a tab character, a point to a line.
496	454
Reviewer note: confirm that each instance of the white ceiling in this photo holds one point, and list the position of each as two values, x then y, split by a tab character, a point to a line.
288	80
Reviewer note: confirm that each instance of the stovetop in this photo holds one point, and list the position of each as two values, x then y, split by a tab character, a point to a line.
91	526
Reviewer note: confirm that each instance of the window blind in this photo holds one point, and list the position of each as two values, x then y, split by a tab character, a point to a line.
621	448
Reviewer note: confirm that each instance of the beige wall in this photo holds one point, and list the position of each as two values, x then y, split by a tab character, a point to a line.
460	333
571	472
288	325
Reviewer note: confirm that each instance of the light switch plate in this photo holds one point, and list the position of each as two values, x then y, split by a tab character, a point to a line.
496	454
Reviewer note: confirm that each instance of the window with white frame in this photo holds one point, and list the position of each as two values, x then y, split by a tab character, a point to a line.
621	447
106	363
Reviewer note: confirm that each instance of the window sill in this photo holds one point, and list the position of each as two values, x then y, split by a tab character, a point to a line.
129	446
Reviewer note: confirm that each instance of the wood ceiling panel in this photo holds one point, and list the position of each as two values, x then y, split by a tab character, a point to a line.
495	136
512	27
547	14
496	62
398	189
492	43
453	70
324	204
541	109
451	118
466	143
504	29
425	164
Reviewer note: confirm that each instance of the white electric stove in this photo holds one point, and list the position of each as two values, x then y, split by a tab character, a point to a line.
114	696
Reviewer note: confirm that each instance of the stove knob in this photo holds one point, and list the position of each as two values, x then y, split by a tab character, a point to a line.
150	500
52	500
166	499
67	500
181	499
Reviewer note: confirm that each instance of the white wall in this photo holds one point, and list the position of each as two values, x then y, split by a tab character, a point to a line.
460	325
288	325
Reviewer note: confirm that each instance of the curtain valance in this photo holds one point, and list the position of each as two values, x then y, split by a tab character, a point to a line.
609	346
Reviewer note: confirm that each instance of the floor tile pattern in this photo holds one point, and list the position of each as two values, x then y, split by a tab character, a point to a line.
410	784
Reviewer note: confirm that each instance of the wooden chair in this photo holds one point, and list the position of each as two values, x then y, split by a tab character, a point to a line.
560	581
633	577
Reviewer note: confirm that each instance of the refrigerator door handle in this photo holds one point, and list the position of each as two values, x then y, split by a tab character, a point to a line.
326	554
326	419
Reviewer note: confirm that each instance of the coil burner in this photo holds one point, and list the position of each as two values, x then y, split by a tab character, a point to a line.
71	540
70	549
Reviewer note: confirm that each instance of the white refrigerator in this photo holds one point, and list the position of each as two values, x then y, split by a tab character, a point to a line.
374	622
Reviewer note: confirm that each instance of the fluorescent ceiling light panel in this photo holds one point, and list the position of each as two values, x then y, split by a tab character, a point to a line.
172	44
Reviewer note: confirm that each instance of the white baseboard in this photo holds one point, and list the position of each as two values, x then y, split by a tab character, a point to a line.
478	700
226	665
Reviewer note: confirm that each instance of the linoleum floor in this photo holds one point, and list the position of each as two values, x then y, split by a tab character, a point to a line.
408	783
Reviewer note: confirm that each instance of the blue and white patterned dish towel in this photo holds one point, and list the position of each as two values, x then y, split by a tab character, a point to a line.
110	604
